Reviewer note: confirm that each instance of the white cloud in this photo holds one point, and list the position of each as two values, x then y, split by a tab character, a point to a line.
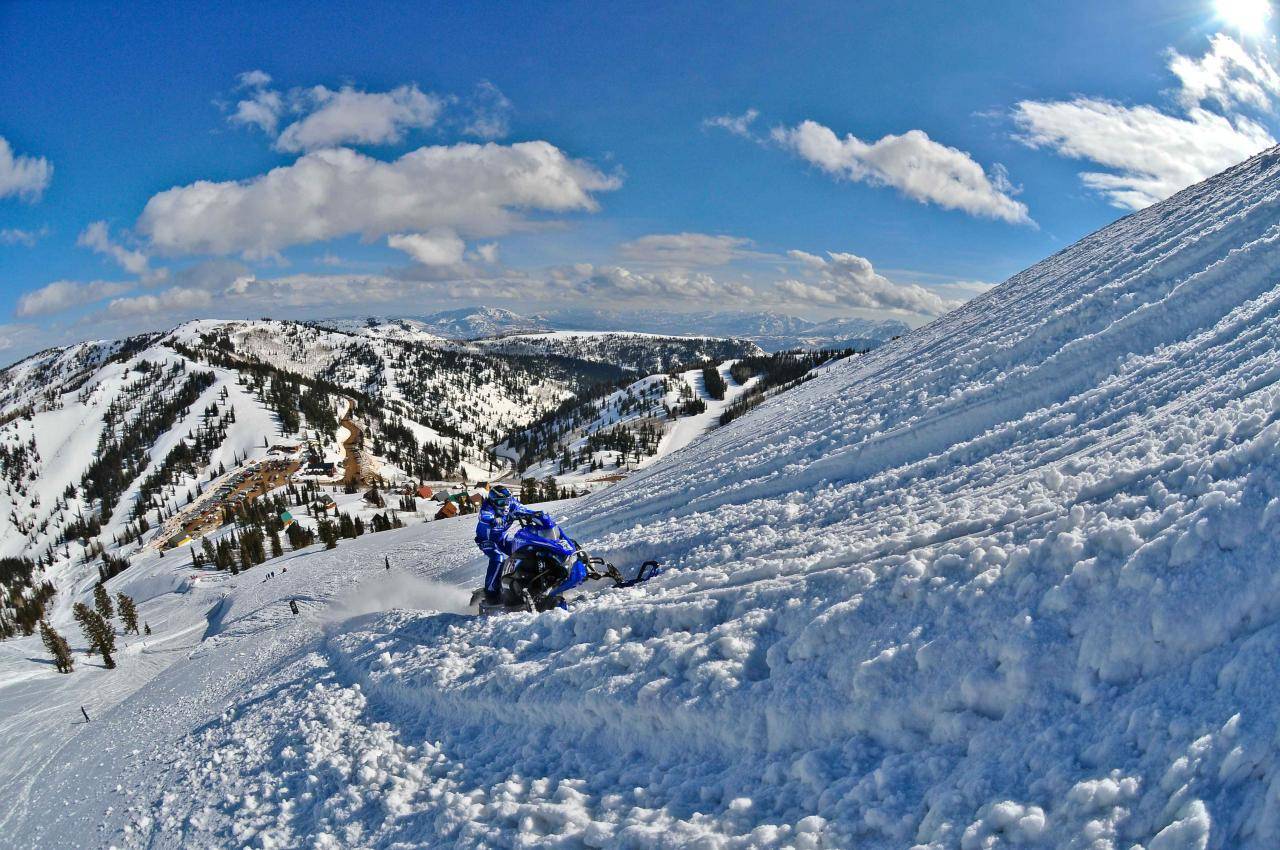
65	294
849	281
738	125
1228	75
18	236
688	249
438	247
22	337
477	190
489	113
350	116
912	163
97	237
262	109
299	291
23	176
487	253
170	301
1150	153
618	282
253	80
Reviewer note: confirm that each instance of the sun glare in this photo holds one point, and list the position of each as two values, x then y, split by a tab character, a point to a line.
1248	17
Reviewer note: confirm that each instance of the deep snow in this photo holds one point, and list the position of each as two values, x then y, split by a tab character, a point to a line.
1007	581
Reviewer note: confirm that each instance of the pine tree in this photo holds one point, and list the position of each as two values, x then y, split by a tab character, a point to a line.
128	613
58	648
102	601
146	628
276	549
328	534
97	632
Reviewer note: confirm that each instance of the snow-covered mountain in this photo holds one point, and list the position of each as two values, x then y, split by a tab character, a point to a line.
639	352
1007	581
771	331
475	322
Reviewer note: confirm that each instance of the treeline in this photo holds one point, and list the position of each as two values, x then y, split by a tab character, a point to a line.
256	536
123	448
547	490
24	598
777	373
192	454
95	623
713	382
544	439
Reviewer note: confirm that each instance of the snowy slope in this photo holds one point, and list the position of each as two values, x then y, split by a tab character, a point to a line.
642	404
1008	581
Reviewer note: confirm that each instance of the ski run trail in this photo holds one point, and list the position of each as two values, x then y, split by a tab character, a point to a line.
1009	581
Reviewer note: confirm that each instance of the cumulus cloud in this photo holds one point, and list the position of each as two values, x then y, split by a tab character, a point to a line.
849	281
438	247
253	79
262	109
18	236
345	116
488	113
912	163
618	282
738	125
350	116
97	237
1151	153
171	301
25	177
688	249
64	294
476	190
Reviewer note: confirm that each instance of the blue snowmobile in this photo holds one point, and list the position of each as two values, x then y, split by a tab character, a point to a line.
544	564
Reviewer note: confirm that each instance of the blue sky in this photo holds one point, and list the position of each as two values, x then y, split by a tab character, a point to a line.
882	159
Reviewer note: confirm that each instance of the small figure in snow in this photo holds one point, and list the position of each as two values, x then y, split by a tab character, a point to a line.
387	558
497	515
85	713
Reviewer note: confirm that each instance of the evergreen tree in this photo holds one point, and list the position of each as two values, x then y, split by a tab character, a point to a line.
276	549
146	628
328	534
128	613
102	601
58	648
97	632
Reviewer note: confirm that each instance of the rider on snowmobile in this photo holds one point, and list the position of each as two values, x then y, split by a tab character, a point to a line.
498	511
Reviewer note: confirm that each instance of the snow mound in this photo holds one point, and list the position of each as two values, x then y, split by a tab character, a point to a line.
1008	579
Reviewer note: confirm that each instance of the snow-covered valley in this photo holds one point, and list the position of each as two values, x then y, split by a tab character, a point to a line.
1006	581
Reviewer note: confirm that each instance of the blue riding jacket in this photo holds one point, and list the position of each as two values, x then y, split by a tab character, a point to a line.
491	536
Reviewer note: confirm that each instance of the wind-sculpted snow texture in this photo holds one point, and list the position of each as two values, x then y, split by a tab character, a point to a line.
1008	581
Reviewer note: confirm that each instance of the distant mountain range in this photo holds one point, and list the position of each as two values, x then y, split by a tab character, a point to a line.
771	331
